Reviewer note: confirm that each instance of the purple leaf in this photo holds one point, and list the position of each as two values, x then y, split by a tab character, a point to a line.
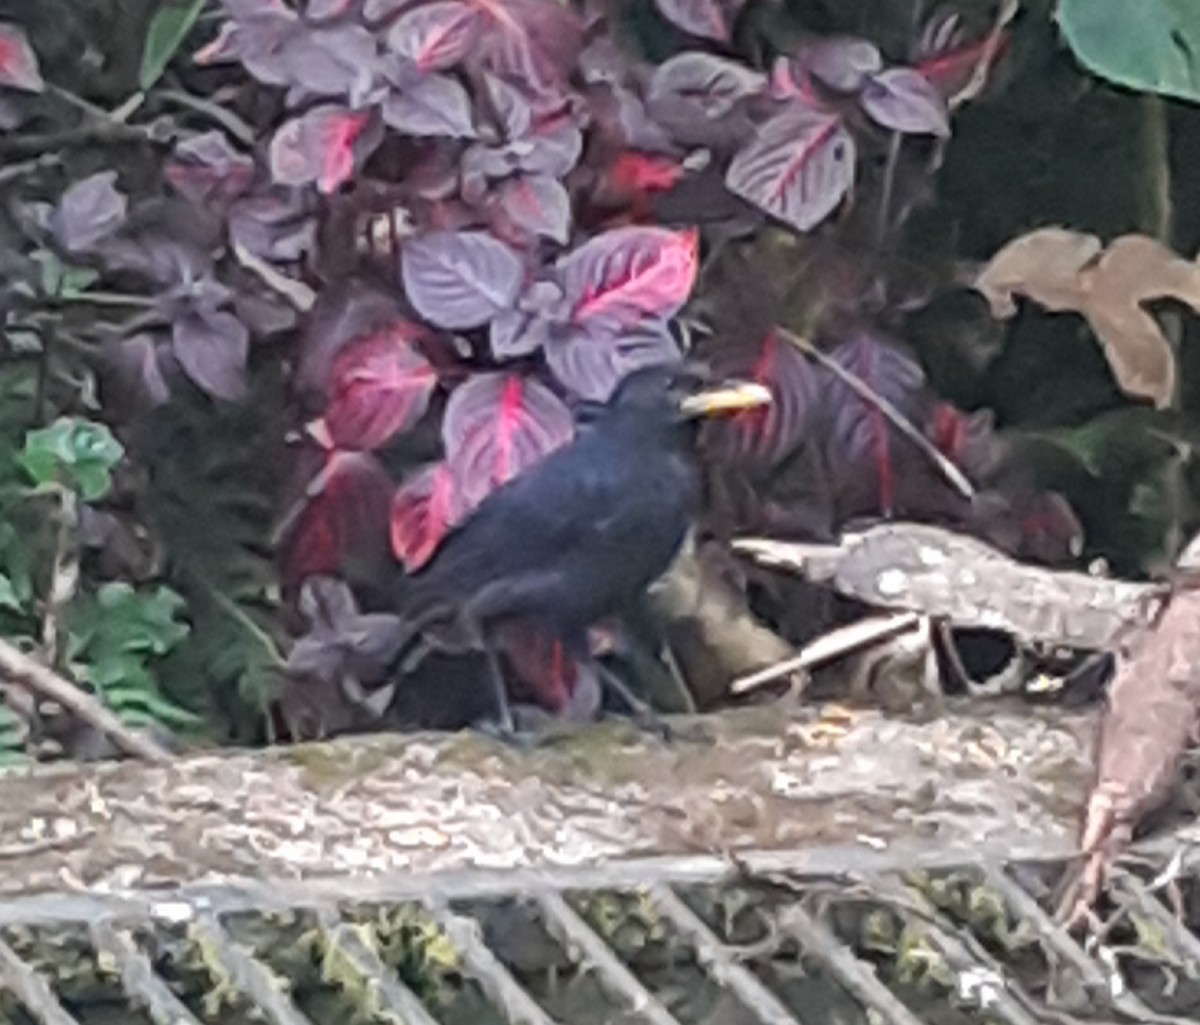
536	205
592	364
712	85
436	36
381	385
207	168
535	42
498	425
620	277
133	378
517	333
279	228
334	61
434	105
905	101
18	62
324	146
212	347
841	62
89	212
325	10
703	18
510	106
460	280
797	168
378	10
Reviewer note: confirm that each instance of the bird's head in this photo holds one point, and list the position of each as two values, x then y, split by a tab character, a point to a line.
684	392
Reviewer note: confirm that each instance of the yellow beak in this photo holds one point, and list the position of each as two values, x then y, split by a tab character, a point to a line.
733	397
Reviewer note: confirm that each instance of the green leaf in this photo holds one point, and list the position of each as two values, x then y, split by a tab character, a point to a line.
1148	45
168	29
73	452
9	599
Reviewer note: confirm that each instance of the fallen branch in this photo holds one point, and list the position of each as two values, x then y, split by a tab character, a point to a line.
21	669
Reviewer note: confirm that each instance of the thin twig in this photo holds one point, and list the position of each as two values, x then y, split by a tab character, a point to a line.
26	671
902	424
829	646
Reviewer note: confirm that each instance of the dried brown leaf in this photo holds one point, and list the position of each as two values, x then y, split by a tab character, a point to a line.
1064	270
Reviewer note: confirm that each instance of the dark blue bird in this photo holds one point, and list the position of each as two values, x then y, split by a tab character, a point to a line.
581	535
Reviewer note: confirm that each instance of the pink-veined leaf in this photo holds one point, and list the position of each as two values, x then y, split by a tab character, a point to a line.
535	205
324	146
212	347
798	166
903	100
619	278
592	364
424	509
952	67
532	41
342	515
18	63
633	175
769	434
381	385
432	105
704	18
460	280
436	36
861	436
498	425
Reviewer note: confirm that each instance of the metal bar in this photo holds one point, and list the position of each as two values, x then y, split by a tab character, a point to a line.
835	862
393	996
1061	942
1185	942
247	973
32	990
857	977
142	987
566	926
493	977
716	959
964	960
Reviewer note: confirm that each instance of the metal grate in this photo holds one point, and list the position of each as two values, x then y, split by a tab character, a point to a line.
830	937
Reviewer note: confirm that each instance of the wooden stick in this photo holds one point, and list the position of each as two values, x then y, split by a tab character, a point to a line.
23	670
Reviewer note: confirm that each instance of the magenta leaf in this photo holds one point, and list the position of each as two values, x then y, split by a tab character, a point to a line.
211	347
536	205
89	212
769	434
840	62
904	100
861	438
797	168
460	280
436	36
380	386
432	105
343	514
617	279
424	508
703	18
498	425
712	84
592	364
207	168
323	147
18	63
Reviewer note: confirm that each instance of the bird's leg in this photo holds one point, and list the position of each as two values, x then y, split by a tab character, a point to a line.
641	713
503	712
